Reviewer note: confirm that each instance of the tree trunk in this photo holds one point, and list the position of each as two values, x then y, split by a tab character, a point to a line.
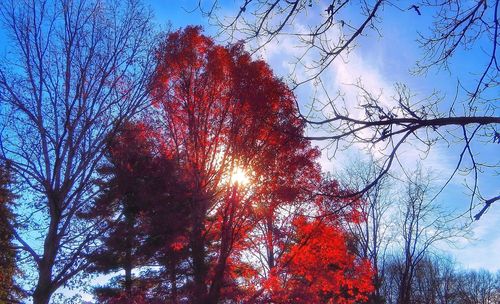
218	280
198	257
43	292
405	288
269	240
128	265
41	296
220	269
173	281
128	274
225	248
45	287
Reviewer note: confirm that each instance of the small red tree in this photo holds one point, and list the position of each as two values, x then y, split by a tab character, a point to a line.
319	268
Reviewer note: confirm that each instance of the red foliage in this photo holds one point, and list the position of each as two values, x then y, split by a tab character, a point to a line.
318	268
222	110
216	110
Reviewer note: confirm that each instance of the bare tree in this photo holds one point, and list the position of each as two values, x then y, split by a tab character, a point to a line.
439	280
372	234
421	224
478	286
75	70
470	119
398	239
447	280
435	281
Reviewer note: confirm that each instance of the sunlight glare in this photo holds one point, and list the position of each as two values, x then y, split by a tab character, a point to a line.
239	177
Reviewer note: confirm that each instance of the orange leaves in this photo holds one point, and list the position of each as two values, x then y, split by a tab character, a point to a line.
319	268
179	243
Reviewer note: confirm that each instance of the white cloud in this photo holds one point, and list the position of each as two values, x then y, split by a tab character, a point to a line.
482	251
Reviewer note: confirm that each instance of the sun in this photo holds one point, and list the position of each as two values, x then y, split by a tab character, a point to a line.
239	177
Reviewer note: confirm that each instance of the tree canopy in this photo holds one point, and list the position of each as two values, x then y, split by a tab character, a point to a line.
217	114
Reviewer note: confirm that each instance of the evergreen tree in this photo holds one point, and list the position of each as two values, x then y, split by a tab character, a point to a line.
9	291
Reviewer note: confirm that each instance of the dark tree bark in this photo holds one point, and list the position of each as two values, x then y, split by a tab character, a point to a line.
198	253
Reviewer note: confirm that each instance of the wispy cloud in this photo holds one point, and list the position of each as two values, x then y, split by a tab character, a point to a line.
377	77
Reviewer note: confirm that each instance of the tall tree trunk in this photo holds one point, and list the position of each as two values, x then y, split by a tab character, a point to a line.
42	292
269	239
128	265
128	273
41	296
45	286
225	248
173	280
198	256
220	268
405	288
218	280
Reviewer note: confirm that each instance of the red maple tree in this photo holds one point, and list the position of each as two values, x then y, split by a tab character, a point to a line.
222	111
319	268
220	181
